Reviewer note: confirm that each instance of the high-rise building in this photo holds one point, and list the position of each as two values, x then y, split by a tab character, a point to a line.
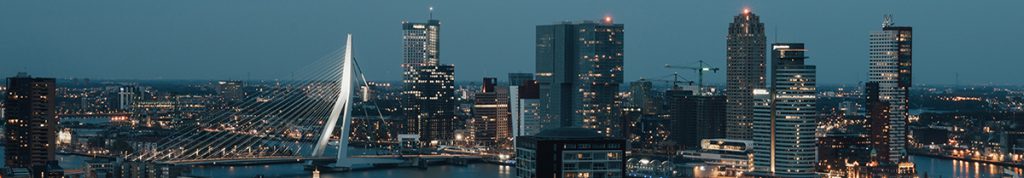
641	95
695	117
421	43
428	104
524	103
785	118
579	68
745	55
570	152
878	123
890	59
491	126
31	122
515	79
428	91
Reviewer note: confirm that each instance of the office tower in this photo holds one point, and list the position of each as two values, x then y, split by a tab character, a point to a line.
878	120
428	104
518	78
579	67
745	54
890	59
491	126
31	122
570	152
230	90
428	91
785	120
421	43
695	117
641	95
524	103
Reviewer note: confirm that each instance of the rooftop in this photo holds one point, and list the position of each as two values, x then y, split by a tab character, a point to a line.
570	133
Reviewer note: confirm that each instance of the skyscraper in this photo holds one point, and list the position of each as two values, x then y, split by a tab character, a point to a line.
428	91
579	68
785	118
491	126
745	54
878	123
890	59
570	152
641	95
31	122
524	103
428	104
695	117
518	78
421	43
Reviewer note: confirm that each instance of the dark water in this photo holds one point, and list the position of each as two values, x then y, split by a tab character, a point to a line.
939	167
933	167
296	170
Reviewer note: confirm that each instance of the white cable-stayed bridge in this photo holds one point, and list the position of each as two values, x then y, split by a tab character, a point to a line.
294	123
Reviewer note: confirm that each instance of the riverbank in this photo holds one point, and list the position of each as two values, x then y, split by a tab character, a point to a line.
966	159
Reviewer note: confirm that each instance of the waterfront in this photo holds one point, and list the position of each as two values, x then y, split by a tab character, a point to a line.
932	167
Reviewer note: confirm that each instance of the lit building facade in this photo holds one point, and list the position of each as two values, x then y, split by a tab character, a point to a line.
428	105
641	95
728	158
524	104
579	68
569	152
491	126
890	59
745	57
31	126
428	91
785	119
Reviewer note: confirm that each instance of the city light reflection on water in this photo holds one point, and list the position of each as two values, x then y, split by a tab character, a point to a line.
938	167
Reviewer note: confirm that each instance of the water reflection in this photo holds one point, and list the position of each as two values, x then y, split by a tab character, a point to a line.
938	167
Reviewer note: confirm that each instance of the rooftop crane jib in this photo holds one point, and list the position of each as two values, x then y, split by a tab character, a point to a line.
700	69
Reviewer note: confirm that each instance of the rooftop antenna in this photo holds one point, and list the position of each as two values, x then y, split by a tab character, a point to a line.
431	12
887	20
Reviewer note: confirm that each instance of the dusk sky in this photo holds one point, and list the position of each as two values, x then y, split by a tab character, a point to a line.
269	39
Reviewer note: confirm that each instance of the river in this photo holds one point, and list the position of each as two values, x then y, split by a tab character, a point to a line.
932	167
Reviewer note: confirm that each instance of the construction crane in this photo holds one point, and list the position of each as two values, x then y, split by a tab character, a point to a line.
700	69
676	80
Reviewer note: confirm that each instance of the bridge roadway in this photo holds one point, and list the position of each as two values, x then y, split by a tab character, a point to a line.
299	159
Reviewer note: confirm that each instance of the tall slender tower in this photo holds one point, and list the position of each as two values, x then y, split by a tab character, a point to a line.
579	68
428	91
890	59
745	54
785	121
31	122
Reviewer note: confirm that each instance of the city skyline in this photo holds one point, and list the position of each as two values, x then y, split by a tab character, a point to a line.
115	45
594	104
